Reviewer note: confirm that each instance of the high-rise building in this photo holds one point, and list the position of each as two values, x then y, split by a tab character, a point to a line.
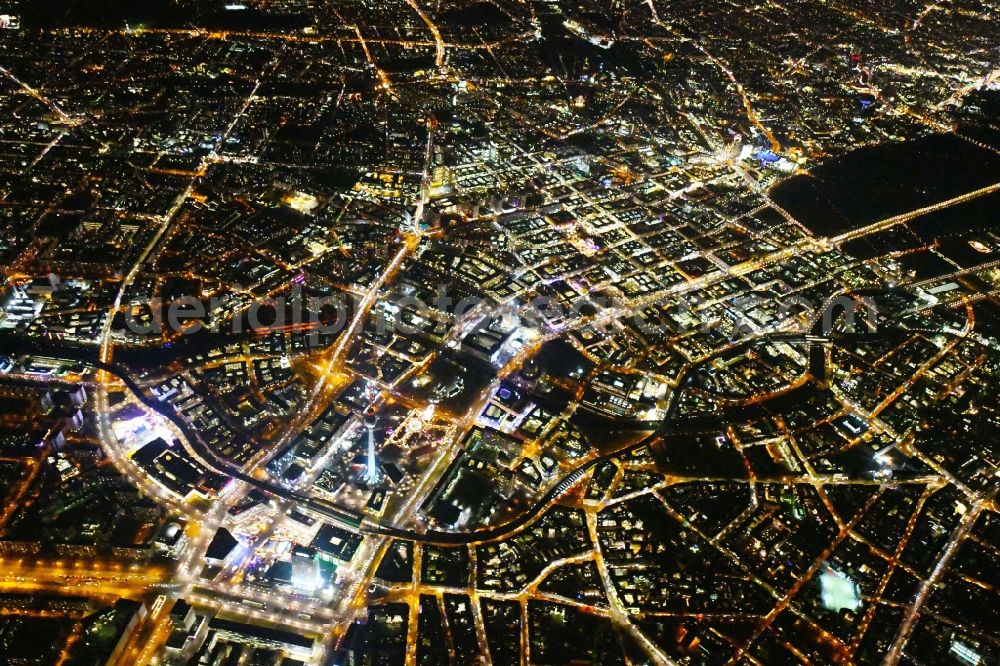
371	464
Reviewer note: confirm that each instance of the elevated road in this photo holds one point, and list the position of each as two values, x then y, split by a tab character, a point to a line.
355	522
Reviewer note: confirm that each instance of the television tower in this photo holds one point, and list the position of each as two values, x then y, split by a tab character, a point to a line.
371	468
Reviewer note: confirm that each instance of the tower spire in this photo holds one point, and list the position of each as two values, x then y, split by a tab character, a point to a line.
371	465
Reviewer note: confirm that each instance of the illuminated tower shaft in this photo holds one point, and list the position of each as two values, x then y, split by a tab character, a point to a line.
371	467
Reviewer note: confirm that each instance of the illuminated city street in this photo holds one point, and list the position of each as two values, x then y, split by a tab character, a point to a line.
503	333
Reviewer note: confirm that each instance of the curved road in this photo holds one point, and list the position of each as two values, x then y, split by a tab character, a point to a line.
351	520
